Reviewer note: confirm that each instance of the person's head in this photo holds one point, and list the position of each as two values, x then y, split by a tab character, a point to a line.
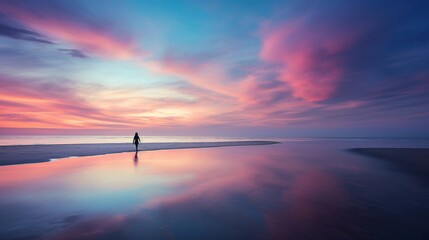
136	134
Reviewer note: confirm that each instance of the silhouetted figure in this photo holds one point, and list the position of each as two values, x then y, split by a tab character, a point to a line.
136	141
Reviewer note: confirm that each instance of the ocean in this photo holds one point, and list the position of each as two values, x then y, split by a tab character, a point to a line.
9	140
300	189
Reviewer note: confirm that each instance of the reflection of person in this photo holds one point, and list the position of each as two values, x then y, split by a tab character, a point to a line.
136	159
136	140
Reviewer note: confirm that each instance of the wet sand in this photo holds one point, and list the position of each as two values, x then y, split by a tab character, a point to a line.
414	161
21	154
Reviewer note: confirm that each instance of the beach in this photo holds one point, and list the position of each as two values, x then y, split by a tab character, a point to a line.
415	161
319	189
20	154
214	120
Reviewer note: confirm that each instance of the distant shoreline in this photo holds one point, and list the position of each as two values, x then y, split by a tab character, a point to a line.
23	154
414	161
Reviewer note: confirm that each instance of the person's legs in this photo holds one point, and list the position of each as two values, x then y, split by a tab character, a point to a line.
137	145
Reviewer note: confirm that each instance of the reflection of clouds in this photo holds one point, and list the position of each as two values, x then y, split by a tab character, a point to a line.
313	199
258	188
216	188
212	178
91	228
288	195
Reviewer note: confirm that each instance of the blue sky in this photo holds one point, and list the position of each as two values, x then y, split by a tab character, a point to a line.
237	68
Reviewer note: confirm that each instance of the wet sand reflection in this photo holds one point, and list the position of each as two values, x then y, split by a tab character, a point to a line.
261	192
136	159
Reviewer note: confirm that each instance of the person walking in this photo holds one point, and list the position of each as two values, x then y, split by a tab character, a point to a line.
136	141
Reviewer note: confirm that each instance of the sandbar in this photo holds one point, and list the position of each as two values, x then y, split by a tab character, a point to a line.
21	154
414	161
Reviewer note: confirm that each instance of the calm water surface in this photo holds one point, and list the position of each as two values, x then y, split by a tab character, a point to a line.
295	190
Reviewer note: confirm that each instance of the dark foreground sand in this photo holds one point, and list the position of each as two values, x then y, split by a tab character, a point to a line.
415	161
21	154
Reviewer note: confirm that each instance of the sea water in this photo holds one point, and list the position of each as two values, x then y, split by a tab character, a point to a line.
294	190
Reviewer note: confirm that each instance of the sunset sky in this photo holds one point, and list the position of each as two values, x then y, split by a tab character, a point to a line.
229	68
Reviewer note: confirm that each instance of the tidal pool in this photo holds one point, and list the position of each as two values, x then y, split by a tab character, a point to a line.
295	190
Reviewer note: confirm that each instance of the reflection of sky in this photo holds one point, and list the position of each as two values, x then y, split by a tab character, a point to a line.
89	187
290	190
297	68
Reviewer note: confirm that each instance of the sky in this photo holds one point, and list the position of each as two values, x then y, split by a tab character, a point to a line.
297	68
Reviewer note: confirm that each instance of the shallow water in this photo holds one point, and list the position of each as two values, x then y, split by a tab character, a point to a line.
295	190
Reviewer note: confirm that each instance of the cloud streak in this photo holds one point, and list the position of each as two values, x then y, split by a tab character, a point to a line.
22	34
73	52
57	23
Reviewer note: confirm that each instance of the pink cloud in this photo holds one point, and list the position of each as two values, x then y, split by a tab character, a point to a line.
33	103
205	75
309	57
248	100
88	38
48	104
